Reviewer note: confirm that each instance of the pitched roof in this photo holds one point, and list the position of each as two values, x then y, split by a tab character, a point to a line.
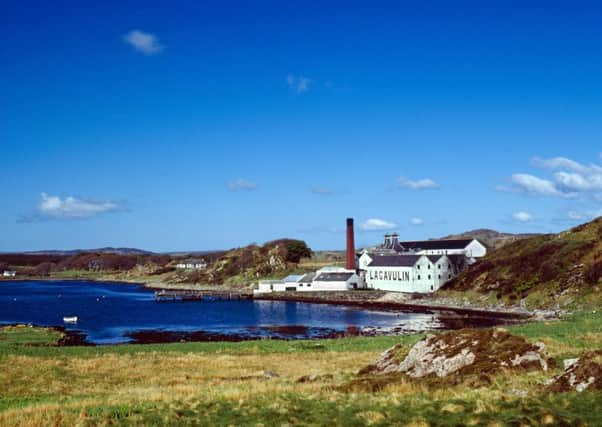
334	277
434	258
394	261
309	277
437	244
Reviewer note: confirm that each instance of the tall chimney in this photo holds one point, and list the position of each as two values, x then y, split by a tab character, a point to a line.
350	245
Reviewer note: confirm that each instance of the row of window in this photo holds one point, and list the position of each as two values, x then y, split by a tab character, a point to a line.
429	276
438	266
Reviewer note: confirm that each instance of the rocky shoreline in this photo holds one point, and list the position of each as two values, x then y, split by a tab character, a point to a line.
392	301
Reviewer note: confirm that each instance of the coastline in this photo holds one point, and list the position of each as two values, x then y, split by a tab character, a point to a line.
365	299
380	300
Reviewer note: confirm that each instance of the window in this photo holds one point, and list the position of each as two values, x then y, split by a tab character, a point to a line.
439	266
429	276
418	266
449	266
432	288
449	276
419	277
439	276
429	266
309	285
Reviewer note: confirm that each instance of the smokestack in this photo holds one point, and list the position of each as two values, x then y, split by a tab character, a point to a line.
350	245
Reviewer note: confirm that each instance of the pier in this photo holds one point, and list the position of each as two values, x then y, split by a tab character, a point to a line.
192	295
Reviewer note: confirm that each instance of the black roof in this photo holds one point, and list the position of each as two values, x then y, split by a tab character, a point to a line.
434	258
334	277
394	260
309	277
437	244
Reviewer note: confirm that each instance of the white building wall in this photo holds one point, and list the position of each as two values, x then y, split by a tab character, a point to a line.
442	272
364	261
324	286
476	249
423	277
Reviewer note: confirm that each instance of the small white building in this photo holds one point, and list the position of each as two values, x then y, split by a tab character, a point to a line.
325	279
192	264
9	273
334	281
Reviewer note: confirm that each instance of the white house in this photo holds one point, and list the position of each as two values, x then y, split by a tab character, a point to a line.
334	281
9	273
192	264
325	279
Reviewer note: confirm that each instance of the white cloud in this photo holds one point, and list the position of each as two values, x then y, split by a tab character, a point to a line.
522	216
536	186
241	185
376	224
53	207
420	184
417	221
145	43
299	84
558	163
321	190
570	179
579	182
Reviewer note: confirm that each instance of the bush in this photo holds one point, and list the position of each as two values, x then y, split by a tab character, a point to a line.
295	250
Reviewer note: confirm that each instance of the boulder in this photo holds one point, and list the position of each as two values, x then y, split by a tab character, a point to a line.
462	354
584	373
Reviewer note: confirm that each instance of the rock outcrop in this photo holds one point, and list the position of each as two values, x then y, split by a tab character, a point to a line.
458	355
584	373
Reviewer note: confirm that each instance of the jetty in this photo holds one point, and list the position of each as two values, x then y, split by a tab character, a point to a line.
197	295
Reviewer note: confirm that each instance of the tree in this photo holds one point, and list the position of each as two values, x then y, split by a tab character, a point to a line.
295	250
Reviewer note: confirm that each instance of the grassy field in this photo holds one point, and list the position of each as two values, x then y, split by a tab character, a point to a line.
256	383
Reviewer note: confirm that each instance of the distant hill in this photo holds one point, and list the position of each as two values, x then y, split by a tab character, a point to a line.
490	238
545	269
105	250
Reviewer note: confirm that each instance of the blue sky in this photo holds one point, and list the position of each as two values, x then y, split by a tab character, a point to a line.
203	125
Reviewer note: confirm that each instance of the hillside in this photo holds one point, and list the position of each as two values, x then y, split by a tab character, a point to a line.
490	238
545	270
244	265
238	266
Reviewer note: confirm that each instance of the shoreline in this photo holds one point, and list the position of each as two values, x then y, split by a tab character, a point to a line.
365	299
411	305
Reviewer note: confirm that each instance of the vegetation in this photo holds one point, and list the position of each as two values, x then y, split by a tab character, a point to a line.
548	270
261	382
237	267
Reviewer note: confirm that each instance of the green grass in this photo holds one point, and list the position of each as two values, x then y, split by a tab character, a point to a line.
222	383
39	342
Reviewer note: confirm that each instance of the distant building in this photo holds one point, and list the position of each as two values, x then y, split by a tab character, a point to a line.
471	248
325	279
192	264
9	273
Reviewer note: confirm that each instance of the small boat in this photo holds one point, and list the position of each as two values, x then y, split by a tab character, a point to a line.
70	319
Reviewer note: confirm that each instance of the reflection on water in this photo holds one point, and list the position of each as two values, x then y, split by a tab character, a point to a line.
113	313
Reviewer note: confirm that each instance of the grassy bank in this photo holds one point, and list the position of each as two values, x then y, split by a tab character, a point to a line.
257	383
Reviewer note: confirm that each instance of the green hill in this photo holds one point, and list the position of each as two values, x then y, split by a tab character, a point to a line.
554	269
